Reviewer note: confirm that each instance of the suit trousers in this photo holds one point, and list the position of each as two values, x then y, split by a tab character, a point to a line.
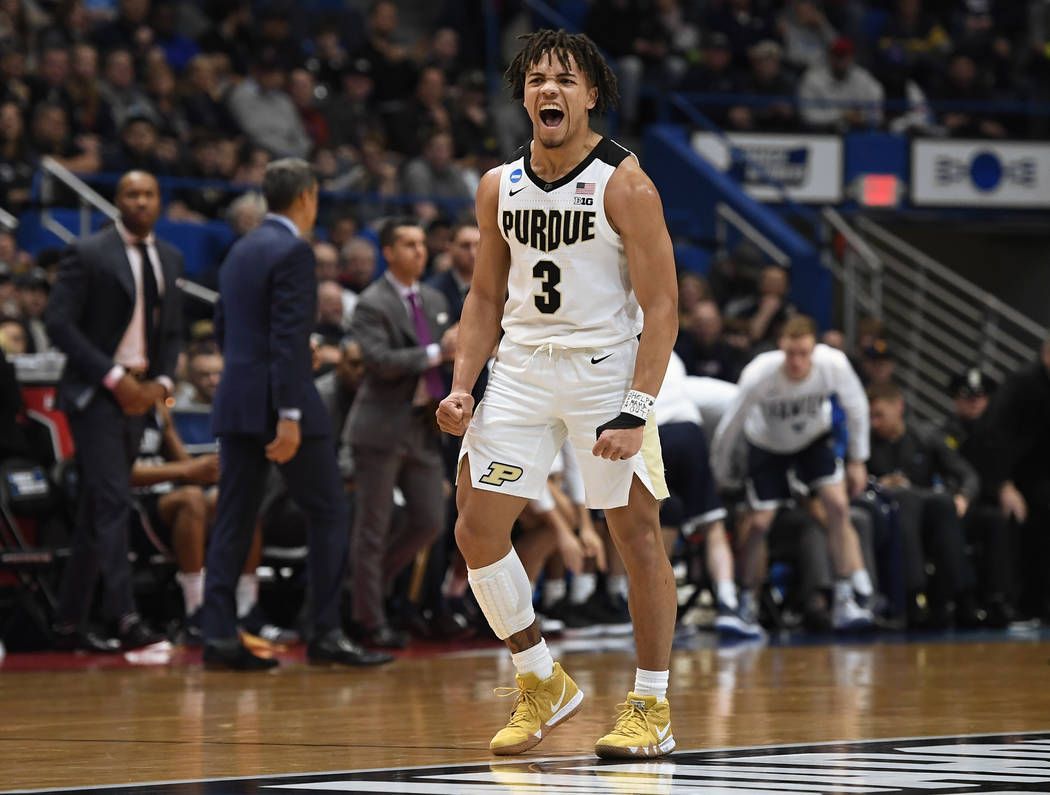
107	443
313	481
414	464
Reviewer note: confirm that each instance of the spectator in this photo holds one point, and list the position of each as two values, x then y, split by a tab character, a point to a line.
702	349
352	115
807	34
435	176
48	84
8	292
634	37
122	92
919	33
137	150
742	25
375	176
327	257
444	54
207	202
962	83
933	486
16	159
427	112
768	308
909	111
714	74
231	34
303	91
878	365
274	33
329	59
840	95
13	338
1019	471
129	31
161	89
988	524
338	388
51	136
439	235
766	79
266	113
473	127
342	228
454	283
13	81
991	30
178	49
394	73
33	289
357	264
246	212
204	366
204	104
91	112
328	330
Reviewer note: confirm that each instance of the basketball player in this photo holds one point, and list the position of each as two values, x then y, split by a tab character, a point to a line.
573	249
784	409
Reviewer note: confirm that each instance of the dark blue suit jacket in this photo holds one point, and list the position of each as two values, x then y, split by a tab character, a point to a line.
266	311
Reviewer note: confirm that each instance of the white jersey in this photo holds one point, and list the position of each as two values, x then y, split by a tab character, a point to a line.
784	416
569	284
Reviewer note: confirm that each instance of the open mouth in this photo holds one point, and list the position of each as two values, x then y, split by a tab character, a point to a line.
551	116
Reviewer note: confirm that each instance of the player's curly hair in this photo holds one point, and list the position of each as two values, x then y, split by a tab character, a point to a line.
560	44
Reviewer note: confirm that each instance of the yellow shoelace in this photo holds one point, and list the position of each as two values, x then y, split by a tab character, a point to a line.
634	718
519	717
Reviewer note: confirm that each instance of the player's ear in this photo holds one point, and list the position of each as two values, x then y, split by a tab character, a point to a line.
592	97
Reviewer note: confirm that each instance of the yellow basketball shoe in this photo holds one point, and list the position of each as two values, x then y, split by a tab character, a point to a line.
643	729
538	708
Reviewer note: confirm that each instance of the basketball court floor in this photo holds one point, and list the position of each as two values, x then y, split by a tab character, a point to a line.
955	714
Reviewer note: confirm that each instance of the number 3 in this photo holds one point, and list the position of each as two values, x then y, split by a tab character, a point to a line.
549	299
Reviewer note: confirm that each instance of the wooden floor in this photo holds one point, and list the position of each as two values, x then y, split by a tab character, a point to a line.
176	721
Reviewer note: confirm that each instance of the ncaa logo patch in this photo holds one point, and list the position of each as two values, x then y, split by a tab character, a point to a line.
499	473
515	175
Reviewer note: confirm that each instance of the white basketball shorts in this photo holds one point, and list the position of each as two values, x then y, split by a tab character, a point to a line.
538	397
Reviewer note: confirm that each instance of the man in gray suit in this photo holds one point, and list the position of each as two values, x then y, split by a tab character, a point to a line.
403	329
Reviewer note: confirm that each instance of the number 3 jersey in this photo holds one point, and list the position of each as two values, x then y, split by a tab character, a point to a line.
569	284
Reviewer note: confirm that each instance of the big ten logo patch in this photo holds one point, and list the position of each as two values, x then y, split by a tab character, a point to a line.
499	473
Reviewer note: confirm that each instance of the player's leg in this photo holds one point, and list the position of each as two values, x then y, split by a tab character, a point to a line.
643	728
851	578
185	511
545	695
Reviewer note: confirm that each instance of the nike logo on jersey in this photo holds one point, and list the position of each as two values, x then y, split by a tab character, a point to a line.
519	190
601	359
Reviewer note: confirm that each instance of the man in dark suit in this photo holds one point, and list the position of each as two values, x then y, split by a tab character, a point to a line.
403	328
115	311
454	283
267	409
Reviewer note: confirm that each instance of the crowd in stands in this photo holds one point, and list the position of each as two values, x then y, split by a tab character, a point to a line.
214	91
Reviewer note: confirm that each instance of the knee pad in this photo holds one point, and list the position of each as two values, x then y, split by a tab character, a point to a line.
504	594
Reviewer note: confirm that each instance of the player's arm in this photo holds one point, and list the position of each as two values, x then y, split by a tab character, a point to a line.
482	310
858	421
636	213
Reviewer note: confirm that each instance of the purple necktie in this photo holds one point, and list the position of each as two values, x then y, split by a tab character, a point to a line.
432	378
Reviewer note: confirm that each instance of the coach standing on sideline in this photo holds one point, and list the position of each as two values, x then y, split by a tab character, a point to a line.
115	312
268	409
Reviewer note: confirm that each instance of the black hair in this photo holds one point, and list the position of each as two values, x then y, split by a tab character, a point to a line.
560	44
284	180
388	232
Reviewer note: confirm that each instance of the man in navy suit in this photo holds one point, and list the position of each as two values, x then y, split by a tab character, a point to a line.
267	409
115	312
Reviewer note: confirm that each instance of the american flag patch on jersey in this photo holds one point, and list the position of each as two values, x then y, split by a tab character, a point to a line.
584	188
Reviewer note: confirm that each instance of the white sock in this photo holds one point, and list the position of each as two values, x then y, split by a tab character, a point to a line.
651	683
535	660
553	591
583	585
247	593
725	593
861	581
844	590
192	584
617	585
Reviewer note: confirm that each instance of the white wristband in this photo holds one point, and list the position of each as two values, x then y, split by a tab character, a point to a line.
638	404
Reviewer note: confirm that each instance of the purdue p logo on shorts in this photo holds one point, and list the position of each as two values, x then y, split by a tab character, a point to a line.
498	474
